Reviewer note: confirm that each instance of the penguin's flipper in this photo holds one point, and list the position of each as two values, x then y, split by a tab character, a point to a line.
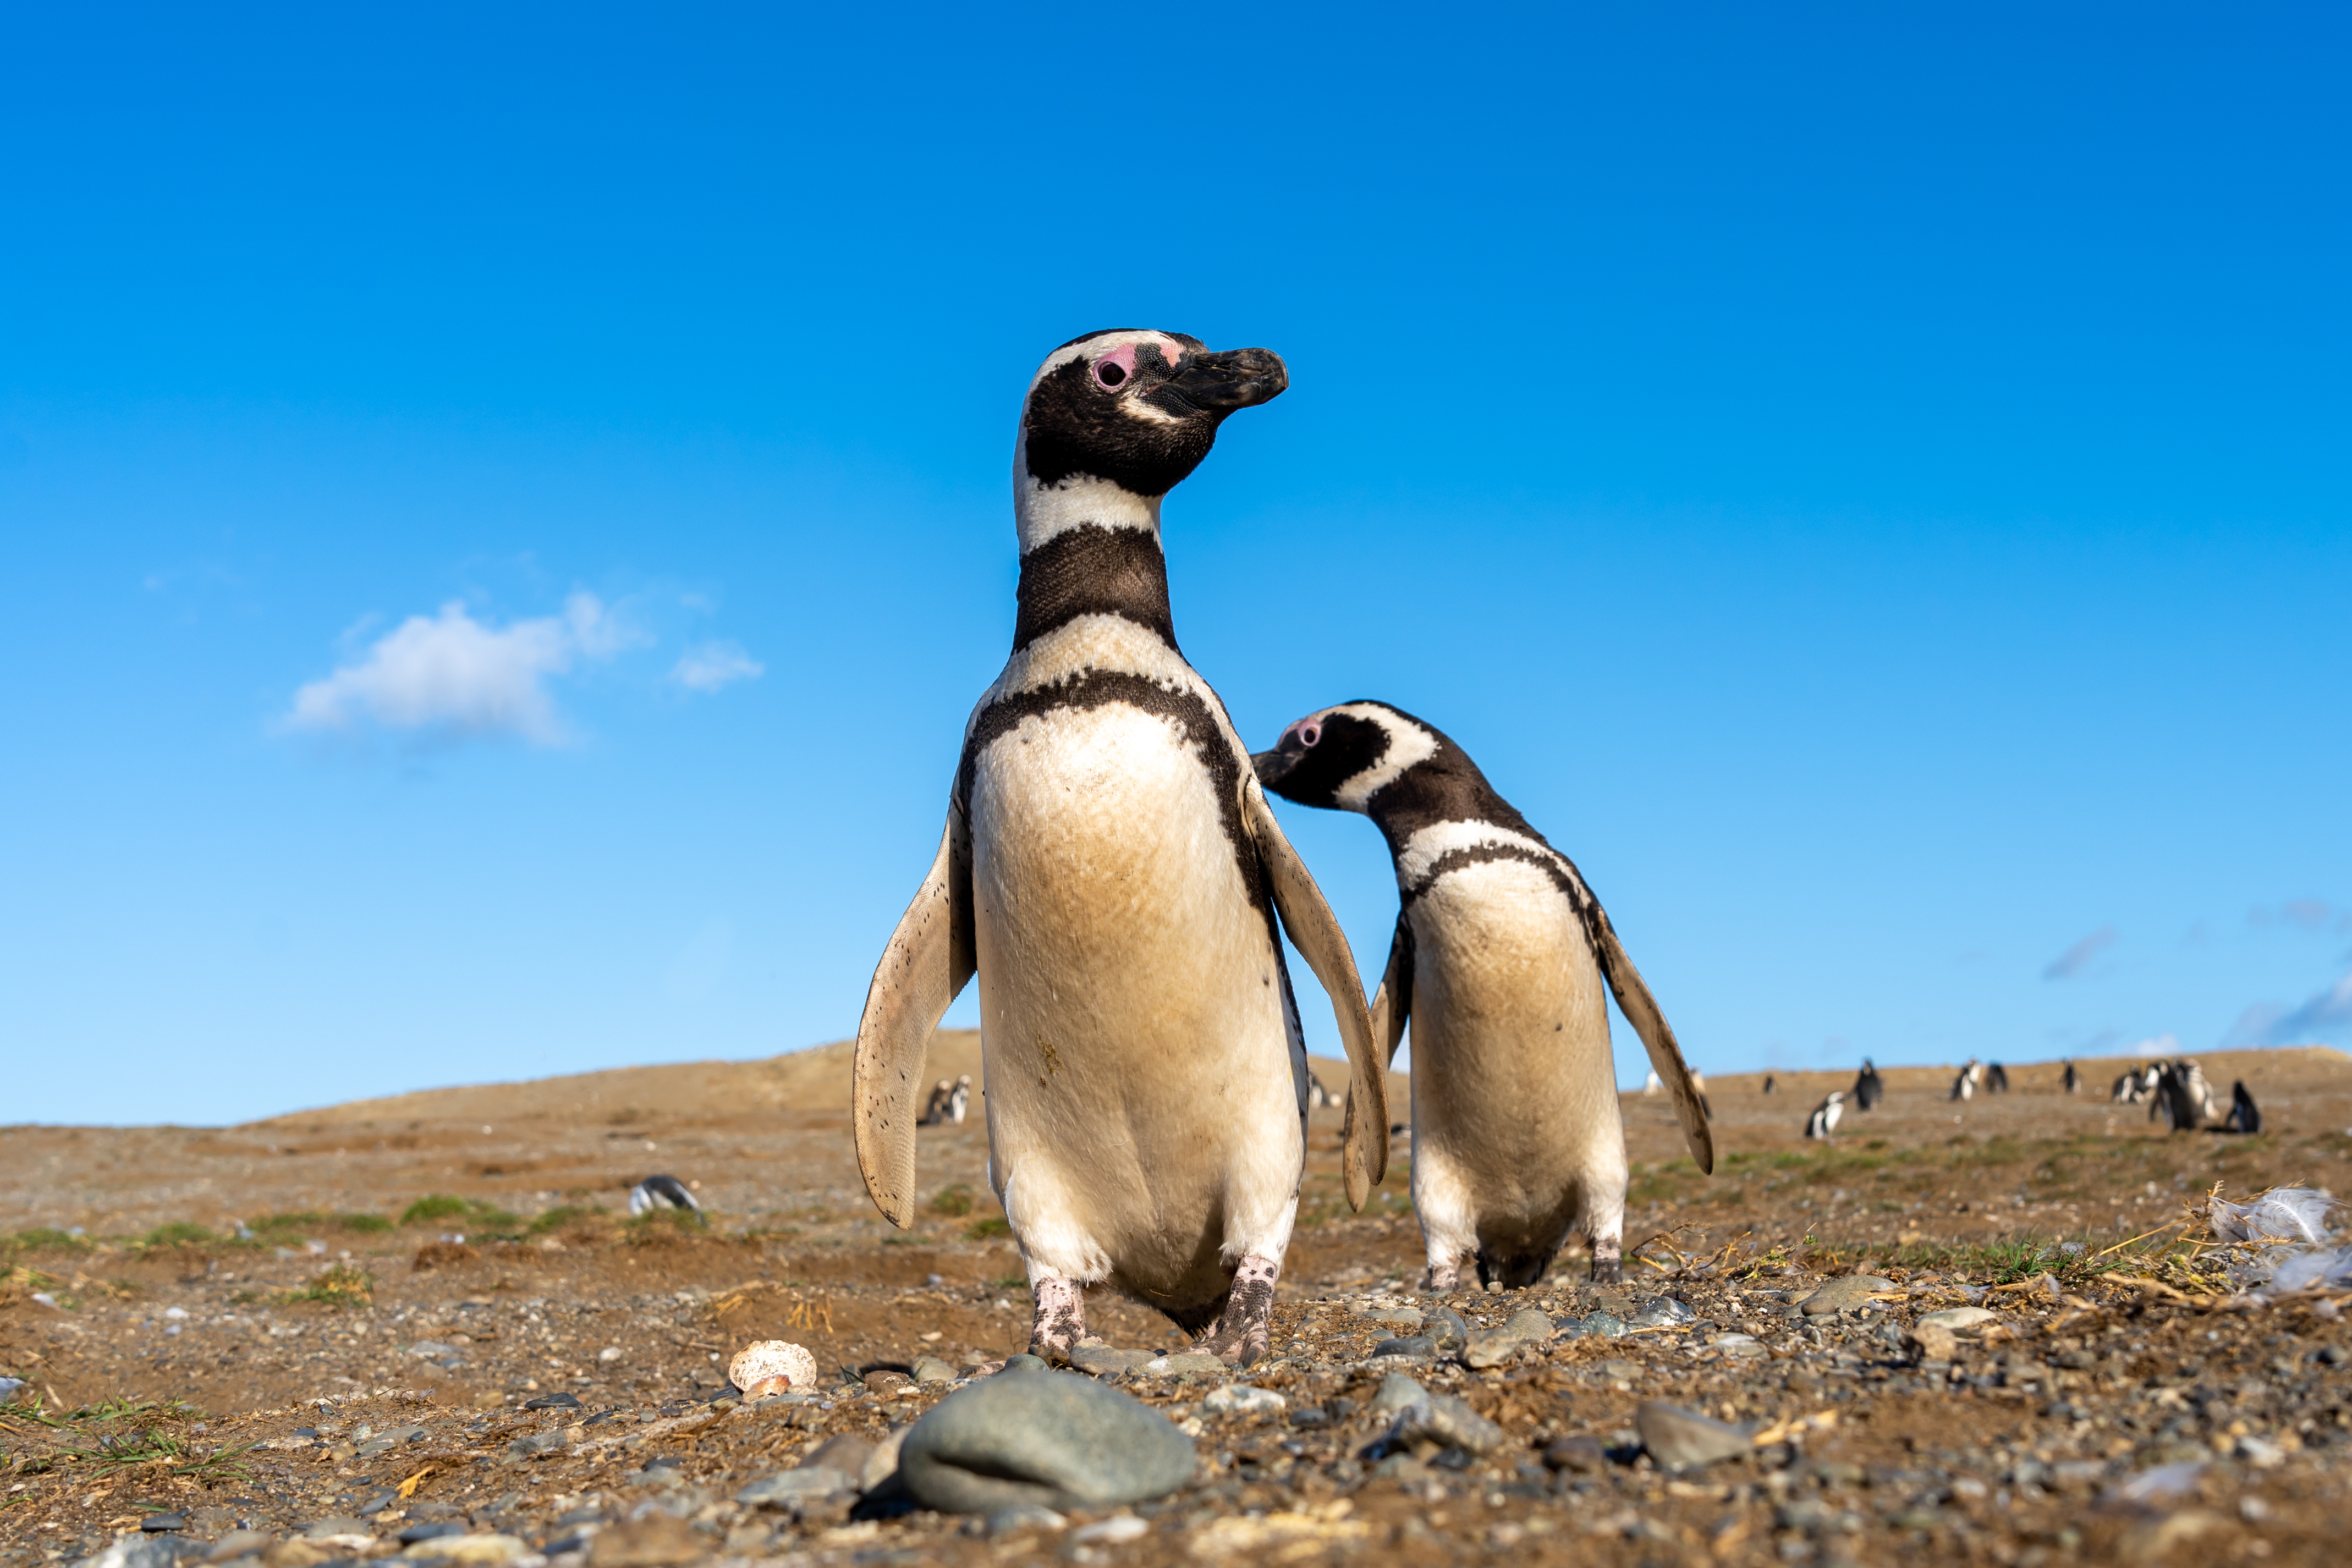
930	957
1640	1010
1392	1006
1315	931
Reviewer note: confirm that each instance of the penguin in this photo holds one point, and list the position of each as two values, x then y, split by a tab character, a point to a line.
1823	1122
960	1098
1112	873
1768	1084
1698	1087
2072	1080
2175	1097
1867	1090
1503	961
1964	1087
2245	1116
936	1110
1653	1084
2197	1088
665	1192
1318	1096
2127	1090
1996	1079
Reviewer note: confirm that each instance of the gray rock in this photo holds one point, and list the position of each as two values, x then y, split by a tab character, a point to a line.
1186	1364
1492	1347
134	1552
1581	1454
544	1443
1394	1317
157	1524
1050	1442
793	1486
1605	1325
1397	1391
416	1532
1952	1318
338	1524
1245	1399
1415	1344
932	1369
1567	1326
1681	1439
1663	1312
1022	1363
1847	1291
1619	1371
1102	1360
1022	1516
237	1543
2158	1484
847	1452
1440	1420
1448	1329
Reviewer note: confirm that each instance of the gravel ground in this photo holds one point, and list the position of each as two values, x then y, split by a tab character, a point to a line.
562	1388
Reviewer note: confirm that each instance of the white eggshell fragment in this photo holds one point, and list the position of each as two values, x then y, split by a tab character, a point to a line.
771	1366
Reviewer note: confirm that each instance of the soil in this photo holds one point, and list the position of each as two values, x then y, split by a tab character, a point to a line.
248	1311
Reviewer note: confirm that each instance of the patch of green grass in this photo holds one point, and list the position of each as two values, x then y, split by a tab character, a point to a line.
44	1236
179	1233
473	1212
953	1200
982	1229
1010	1282
344	1285
556	1218
276	1226
655	1219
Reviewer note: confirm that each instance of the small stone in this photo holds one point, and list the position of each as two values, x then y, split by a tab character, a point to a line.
1022	1516
1117	1531
1581	1454
1567	1326
2259	1452
339	1524
416	1532
1663	1312
883	1463
134	1552
1245	1399
1605	1325
1619	1371
1394	1317
1445	1422
558	1400
1185	1364
790	1486
1448	1330
847	1453
932	1369
1101	1360
1027	1363
885	1382
156	1523
1066	1442
657	1540
472	1549
542	1443
1847	1291
1930	1342
1397	1391
1415	1344
237	1543
1681	1439
1952	1318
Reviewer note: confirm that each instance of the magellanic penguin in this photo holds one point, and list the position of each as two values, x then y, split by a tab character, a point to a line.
1112	872
665	1192
1822	1122
1500	959
1868	1088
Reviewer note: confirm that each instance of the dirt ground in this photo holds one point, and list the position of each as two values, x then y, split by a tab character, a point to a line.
226	1325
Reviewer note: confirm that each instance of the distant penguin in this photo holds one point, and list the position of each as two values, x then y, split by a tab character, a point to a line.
2072	1080
1823	1122
1768	1084
1318	1097
936	1111
2244	1115
2128	1089
1652	1084
664	1192
1503	960
1867	1089
2197	1088
1112	871
960	1098
1698	1087
1996	1080
2177	1097
1964	1087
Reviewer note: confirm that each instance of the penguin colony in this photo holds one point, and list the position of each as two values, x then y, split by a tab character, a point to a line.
1503	960
1111	873
2177	1090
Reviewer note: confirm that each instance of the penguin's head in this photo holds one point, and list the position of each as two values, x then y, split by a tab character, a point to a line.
1339	758
1134	410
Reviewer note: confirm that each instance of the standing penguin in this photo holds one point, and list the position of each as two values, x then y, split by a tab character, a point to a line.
1112	871
1500	956
2072	1080
1867	1089
1823	1122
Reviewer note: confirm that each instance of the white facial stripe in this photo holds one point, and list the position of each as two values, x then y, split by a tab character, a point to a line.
1096	348
1408	744
1432	844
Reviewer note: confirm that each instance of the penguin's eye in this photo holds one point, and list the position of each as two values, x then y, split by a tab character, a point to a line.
1308	734
1110	372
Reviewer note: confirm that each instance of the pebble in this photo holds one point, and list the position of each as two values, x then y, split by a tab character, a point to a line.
809	1480
847	1453
1041	1439
1956	1318
1102	1360
1492	1347
559	1400
1581	1454
883	1463
1397	1391
1448	1330
1414	1344
1445	1422
1931	1342
932	1369
1024	1516
542	1443
1245	1399
1185	1364
1394	1317
237	1543
2260	1452
1619	1371
1117	1531
156	1523
133	1551
471	1549
1663	1312
1605	1325
1681	1439
1847	1291
1025	1362
416	1532
340	1524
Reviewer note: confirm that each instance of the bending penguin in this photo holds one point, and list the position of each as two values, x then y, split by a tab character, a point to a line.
1500	960
1822	1122
1111	871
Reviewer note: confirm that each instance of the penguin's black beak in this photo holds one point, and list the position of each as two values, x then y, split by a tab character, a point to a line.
1219	384
1273	767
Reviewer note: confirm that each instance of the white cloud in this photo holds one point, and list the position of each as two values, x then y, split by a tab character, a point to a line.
452	674
2071	963
715	665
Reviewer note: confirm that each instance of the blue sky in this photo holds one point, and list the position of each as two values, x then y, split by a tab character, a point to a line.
504	516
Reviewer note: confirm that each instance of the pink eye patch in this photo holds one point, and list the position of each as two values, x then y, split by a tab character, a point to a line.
1114	369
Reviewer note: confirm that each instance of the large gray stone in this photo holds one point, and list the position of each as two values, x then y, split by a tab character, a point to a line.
1043	1440
1102	1360
1397	1391
1493	1347
1681	1439
1440	1420
1848	1290
1446	1328
932	1369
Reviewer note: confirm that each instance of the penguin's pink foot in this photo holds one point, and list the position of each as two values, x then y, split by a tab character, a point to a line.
1245	1330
